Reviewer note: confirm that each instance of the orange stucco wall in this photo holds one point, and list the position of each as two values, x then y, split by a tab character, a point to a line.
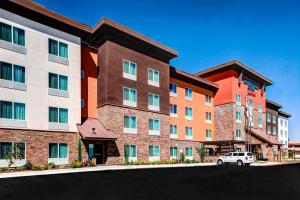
228	88
199	109
89	82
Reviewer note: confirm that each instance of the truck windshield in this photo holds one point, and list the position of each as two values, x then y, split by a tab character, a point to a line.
249	154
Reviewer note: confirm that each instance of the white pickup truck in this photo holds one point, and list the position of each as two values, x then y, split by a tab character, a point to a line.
239	158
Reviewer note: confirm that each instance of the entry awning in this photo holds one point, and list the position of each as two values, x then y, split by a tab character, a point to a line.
263	136
93	129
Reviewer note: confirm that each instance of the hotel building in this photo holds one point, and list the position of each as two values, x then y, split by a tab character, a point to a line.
283	129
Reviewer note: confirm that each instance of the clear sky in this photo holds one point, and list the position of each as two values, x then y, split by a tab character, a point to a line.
263	34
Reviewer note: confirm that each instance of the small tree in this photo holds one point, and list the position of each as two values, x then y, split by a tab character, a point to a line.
126	153
79	150
202	152
182	157
14	155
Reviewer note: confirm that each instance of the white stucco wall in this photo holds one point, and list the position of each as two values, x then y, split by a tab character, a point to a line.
283	129
37	68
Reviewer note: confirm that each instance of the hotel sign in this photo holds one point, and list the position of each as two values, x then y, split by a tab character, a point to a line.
251	87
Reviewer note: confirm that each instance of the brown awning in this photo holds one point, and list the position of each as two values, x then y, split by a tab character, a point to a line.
264	136
93	129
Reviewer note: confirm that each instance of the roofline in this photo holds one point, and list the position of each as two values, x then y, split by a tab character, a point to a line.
285	114
77	26
231	63
192	77
273	103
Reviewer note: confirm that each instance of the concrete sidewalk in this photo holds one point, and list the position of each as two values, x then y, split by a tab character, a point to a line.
98	168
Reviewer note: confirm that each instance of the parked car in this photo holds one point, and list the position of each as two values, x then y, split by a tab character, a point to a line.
239	158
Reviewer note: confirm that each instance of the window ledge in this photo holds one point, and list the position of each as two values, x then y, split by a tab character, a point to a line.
208	139
153	83
172	94
173	115
13	47
132	159
59	161
238	121
129	76
13	85
151	132
188	98
57	59
58	126
238	138
173	157
18	163
174	136
154	108
59	93
130	130
188	118
189	157
154	158
208	121
189	137
13	123
129	103
208	104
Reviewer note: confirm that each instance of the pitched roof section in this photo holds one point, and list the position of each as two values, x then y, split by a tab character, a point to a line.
93	129
184	76
104	30
262	135
284	114
272	104
237	66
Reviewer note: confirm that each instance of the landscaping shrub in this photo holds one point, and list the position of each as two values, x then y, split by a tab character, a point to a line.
3	170
76	164
49	166
27	166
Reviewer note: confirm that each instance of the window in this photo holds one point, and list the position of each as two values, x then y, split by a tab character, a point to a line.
188	132
188	94
82	74
173	131
173	90
154	127
281	122
274	119
130	124
238	118
58	153
8	147
268	117
153	102
153	77
129	70
208	117
208	134
281	133
260	107
58	115
207	100
188	113
238	134
285	134
189	153
238	99
11	72
173	152
154	153
12	110
82	103
173	110
238	149
58	82
274	131
14	35
250	103
260	122
129	97
132	152
58	48
285	123
269	129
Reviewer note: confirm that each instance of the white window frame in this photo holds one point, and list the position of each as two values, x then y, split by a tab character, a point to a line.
189	157
172	157
130	130
59	42
154	132
260	125
208	121
186	97
172	135
260	107
188	137
152	82
240	133
18	163
174	115
208	137
154	158
153	107
187	117
240	99
127	102
130	158
128	75
208	103
172	94
12	34
239	121
59	161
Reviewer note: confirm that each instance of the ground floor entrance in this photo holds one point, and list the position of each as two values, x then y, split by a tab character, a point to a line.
96	153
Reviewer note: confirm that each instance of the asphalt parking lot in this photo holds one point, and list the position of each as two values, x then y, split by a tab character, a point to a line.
231	182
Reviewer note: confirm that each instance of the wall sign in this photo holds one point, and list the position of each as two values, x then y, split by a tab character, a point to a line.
251	87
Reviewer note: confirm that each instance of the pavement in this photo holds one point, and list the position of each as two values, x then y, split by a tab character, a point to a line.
195	182
121	167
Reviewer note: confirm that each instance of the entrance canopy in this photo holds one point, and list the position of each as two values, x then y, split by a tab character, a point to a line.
93	129
261	135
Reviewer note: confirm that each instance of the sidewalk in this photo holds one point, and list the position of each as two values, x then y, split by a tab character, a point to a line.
266	163
97	168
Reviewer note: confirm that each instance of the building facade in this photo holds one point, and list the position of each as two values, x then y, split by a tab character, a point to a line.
283	129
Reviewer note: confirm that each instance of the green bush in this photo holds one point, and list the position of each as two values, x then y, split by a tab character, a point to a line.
3	170
27	166
49	166
182	157
76	164
37	168
90	163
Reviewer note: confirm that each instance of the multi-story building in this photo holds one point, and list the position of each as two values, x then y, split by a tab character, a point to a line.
39	85
272	117
240	110
283	129
191	113
294	148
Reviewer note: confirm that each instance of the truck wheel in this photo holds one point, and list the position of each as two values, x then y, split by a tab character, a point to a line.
220	162
240	163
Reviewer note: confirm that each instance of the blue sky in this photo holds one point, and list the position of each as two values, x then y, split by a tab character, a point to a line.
264	35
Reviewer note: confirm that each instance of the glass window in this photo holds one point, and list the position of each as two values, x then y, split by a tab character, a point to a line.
63	150
269	129
5	32
260	122
188	112
6	71
5	148
173	88
238	99
58	150
131	150
153	75
129	67
188	93
58	82
274	119
207	99
53	114
173	108
238	133
129	94
53	47
19	111
63	82
153	151
274	131
18	36
173	152
281	122
58	115
268	117
53	150
208	133
53	81
153	100
251	103
208	116
238	116
6	109
19	74
63	115
259	107
188	131
281	133
285	123
130	122
173	129
189	151
63	50
154	124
